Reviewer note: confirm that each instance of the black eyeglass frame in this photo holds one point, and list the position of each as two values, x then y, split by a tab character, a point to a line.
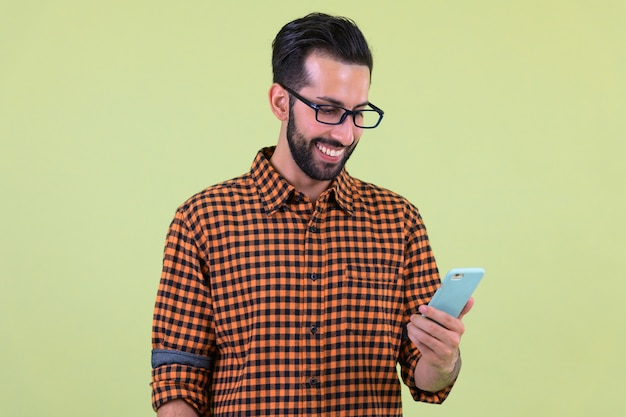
346	113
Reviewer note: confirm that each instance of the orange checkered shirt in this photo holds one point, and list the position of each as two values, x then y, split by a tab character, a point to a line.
271	305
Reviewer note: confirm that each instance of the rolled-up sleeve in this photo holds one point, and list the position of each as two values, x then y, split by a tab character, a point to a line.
183	337
421	281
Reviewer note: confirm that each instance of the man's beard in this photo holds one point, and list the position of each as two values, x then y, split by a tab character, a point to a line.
303	151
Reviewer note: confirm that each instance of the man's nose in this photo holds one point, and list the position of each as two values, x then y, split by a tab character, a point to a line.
345	132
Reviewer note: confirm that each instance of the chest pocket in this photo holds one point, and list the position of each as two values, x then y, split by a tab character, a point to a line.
371	300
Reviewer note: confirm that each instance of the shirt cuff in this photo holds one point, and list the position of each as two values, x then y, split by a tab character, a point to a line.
162	357
180	375
408	376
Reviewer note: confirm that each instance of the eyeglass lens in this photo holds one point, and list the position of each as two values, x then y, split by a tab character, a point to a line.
334	115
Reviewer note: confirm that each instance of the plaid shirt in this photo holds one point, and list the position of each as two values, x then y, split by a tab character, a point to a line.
271	305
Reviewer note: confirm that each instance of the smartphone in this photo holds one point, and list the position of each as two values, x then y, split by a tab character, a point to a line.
456	289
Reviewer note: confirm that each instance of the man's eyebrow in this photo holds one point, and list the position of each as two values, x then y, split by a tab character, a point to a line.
340	103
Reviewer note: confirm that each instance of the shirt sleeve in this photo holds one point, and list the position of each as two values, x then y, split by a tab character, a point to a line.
421	282
183	337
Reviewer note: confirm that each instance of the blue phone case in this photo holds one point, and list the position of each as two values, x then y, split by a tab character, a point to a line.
456	289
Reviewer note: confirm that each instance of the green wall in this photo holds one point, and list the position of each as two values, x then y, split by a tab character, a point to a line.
505	123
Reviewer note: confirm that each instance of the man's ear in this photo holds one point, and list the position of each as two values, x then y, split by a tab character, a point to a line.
279	102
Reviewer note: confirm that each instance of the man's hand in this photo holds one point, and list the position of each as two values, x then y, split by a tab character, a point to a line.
437	335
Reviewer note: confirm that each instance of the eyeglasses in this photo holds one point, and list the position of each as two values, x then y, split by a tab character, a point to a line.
330	114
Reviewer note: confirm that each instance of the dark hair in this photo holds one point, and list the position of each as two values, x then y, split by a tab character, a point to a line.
335	36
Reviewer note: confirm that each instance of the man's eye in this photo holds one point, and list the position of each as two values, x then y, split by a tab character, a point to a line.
330	110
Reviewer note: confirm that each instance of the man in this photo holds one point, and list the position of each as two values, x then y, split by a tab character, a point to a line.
296	289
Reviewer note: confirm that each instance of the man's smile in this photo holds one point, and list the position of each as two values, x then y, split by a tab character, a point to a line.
334	153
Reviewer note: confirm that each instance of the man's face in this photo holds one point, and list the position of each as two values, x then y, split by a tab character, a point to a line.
320	150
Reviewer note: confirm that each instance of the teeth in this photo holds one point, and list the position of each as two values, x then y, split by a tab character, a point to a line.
330	152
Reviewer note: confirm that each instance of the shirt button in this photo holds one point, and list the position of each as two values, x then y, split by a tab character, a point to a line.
313	229
314	329
313	381
314	277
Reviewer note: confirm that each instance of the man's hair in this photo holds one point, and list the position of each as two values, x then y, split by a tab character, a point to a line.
335	36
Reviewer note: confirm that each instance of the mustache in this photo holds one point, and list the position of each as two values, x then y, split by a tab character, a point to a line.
330	142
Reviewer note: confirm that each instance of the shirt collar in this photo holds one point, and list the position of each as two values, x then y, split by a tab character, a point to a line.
275	191
342	188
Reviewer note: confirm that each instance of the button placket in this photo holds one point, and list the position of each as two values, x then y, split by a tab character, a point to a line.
315	261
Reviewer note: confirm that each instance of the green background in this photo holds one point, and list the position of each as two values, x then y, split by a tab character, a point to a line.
505	124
